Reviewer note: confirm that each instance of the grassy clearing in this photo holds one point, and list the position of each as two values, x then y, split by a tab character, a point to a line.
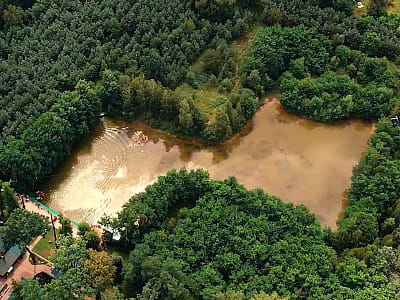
117	251
206	96
206	99
44	247
358	12
244	43
395	9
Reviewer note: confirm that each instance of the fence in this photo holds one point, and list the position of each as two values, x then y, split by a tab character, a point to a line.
48	209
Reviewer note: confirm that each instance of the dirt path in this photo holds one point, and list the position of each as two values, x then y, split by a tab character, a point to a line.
29	205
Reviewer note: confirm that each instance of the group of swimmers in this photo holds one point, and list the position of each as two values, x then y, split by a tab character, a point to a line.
139	138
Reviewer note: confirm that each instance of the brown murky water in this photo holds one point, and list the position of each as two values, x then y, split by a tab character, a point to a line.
296	159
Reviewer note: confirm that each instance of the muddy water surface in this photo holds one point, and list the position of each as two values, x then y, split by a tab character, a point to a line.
301	161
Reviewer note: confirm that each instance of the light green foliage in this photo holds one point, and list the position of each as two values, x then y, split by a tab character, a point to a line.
297	68
70	254
230	295
264	296
66	228
22	227
115	294
69	259
185	117
8	201
31	290
83	228
220	129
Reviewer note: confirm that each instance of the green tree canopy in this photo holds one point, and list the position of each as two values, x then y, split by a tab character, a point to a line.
22	227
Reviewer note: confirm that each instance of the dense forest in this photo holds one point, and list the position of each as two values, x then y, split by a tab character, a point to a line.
225	239
64	62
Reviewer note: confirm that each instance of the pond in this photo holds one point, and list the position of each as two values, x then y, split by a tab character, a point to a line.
299	160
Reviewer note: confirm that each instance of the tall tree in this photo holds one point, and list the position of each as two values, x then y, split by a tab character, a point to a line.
66	226
101	270
22	226
8	201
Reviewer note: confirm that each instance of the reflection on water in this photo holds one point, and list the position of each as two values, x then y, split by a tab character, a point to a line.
296	159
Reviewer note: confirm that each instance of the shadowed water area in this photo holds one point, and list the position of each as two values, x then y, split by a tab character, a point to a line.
299	160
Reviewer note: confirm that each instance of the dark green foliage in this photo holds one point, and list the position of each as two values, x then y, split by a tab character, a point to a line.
333	23
110	92
236	240
231	238
69	260
49	139
219	61
374	194
92	240
370	45
215	10
11	12
275	47
368	93
328	98
194	238
139	97
231	116
62	42
363	279
220	129
297	68
345	6
255	82
117	263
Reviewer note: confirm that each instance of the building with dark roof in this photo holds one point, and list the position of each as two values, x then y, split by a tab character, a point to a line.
8	258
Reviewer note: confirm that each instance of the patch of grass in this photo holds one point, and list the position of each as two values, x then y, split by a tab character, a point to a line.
358	12
207	99
118	251
395	9
44	248
205	95
244	43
